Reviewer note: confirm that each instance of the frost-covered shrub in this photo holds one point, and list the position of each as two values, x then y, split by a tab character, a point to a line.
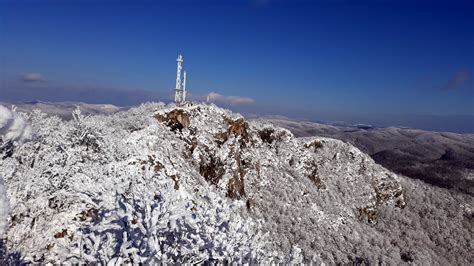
3	209
13	126
166	228
13	129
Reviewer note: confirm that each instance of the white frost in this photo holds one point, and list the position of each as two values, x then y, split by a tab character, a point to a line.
13	127
136	187
3	209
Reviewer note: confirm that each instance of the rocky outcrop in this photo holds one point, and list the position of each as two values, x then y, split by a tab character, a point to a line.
226	146
176	119
327	183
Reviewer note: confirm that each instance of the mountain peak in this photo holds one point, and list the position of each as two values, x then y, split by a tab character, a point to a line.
161	183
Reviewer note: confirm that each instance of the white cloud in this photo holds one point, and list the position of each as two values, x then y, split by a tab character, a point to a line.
231	100
32	77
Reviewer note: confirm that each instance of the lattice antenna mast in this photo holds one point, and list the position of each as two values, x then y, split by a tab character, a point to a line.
184	86
177	96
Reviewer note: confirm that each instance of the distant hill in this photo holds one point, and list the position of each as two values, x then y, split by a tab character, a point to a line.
64	109
440	158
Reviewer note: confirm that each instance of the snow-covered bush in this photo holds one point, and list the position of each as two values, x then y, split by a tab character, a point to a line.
3	209
165	227
3	220
13	127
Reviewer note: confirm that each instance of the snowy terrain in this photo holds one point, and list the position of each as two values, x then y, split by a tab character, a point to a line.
162	184
443	159
64	109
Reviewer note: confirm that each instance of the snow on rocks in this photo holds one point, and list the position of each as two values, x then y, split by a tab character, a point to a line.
166	184
281	176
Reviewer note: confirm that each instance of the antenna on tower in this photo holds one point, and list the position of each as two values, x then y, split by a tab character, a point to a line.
184	86
177	94
180	95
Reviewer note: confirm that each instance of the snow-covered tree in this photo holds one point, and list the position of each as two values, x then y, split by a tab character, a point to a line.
13	126
3	208
167	228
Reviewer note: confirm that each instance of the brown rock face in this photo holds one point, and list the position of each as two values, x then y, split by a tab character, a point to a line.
250	204
238	127
266	135
314	177
177	119
313	174
385	191
367	213
211	168
221	138
236	185
236	188
61	234
315	145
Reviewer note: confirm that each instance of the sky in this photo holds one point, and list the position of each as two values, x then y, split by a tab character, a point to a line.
380	62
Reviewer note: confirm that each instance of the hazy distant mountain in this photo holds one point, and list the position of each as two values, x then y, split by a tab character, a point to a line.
200	184
64	109
439	158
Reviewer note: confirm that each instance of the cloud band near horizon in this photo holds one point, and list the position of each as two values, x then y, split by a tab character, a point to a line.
230	100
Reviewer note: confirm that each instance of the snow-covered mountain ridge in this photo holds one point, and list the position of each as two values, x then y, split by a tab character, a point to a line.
160	183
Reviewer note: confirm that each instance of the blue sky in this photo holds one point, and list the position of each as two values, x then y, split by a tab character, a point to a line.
319	60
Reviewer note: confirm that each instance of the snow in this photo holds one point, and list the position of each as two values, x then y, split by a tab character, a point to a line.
13	127
104	191
3	209
6	117
138	187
